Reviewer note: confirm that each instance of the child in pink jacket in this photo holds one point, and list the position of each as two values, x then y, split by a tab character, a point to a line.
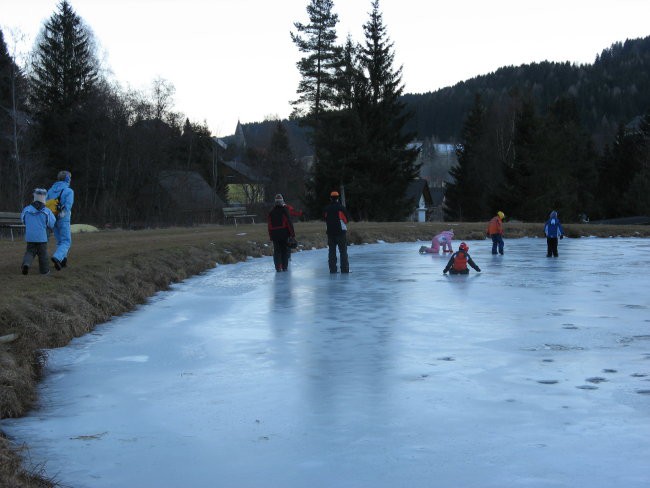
444	240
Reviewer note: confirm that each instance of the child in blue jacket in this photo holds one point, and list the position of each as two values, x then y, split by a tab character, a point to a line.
553	230
37	219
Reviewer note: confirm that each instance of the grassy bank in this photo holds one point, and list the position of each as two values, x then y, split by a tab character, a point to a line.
112	272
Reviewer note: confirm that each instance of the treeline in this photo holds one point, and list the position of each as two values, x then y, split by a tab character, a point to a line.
526	163
612	90
349	97
61	112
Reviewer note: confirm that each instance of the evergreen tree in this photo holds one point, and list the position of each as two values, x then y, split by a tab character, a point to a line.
566	174
386	162
515	194
465	196
66	69
17	166
64	79
7	154
318	67
618	168
349	77
285	175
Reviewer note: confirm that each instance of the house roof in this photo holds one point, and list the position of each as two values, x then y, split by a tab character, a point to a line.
244	170
189	191
220	142
417	188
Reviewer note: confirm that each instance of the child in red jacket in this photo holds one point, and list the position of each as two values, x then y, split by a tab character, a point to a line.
459	260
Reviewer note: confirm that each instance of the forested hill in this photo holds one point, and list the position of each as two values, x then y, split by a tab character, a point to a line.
612	90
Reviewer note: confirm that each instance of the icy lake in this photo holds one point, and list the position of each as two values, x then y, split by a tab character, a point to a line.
533	373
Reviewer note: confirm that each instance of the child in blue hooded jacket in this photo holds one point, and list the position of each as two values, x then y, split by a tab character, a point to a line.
37	219
61	189
553	230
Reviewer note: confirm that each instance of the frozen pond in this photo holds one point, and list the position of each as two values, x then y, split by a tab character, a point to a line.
533	373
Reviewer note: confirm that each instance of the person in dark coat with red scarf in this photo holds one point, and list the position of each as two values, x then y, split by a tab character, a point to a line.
280	229
336	218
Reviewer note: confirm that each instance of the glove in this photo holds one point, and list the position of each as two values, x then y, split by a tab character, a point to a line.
561	237
444	271
479	270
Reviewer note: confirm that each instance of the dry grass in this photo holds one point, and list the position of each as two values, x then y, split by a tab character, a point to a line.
113	272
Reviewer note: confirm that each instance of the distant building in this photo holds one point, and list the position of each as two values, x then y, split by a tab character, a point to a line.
245	186
180	198
418	192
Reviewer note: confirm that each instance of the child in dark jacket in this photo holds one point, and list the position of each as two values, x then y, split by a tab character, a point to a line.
37	219
459	260
553	230
280	230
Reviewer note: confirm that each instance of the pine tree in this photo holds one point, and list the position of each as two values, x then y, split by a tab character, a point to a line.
64	79
515	194
566	174
385	160
65	69
285	175
16	164
465	196
317	39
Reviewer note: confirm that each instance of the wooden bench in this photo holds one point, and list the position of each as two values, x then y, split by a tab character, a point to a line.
235	213
11	221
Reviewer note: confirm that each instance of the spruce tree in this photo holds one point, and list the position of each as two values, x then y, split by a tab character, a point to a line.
285	175
64	78
465	195
317	40
385	161
65	69
515	194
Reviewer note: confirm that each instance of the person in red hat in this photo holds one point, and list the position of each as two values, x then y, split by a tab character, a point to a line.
336	218
459	260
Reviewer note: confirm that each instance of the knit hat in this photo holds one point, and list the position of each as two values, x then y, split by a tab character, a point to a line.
39	194
279	200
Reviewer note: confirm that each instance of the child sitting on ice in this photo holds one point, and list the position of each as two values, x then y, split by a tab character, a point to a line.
443	240
459	260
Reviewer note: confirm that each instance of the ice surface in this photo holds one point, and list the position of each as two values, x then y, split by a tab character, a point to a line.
533	373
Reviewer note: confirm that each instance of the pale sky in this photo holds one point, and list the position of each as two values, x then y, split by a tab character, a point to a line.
233	60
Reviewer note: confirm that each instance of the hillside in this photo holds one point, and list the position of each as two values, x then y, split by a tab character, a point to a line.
612	90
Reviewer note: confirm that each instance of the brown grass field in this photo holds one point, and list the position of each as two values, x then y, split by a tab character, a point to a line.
112	272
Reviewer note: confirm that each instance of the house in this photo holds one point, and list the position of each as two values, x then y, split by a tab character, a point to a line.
245	186
180	198
418	192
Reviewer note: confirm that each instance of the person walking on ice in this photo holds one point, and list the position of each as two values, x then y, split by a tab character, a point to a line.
444	240
336	219
553	230
459	260
37	219
495	231
280	230
61	190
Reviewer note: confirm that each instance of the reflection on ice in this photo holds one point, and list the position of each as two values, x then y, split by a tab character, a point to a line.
532	373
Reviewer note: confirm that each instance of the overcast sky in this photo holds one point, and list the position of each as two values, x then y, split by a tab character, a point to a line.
233	60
